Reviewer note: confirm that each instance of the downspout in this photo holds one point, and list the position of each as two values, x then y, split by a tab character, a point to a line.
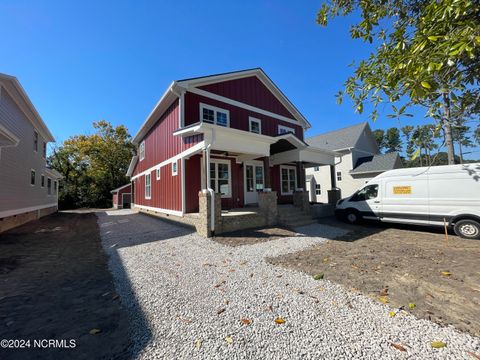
210	190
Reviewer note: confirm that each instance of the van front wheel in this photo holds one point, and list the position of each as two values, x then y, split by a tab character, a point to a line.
352	216
468	229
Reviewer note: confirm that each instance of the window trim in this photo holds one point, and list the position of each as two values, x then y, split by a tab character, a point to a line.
283	127
214	109
228	163
287	167
141	150
253	119
34	178
175	172
157	173
149	186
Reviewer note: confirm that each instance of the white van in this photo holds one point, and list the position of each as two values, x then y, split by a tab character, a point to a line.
425	196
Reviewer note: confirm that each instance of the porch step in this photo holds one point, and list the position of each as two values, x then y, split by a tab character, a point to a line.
292	216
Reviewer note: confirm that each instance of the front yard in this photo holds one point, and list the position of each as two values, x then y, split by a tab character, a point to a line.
402	266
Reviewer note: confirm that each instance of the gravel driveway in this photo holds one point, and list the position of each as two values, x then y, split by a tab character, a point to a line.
190	297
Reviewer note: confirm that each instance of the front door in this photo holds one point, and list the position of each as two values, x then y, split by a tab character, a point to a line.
254	181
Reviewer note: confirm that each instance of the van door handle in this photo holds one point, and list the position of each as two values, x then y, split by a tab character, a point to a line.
377	201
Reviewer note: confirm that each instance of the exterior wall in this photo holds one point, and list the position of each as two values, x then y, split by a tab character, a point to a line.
17	162
238	116
193	183
115	200
322	177
11	222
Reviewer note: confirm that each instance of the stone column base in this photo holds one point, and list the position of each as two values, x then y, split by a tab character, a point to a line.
267	202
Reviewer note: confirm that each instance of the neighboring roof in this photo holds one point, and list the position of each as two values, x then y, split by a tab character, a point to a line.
53	174
120	188
341	139
309	178
16	91
179	86
377	163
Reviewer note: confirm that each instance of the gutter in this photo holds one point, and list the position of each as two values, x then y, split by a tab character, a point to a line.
210	190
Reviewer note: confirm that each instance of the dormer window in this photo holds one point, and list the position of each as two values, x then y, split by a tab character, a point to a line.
213	115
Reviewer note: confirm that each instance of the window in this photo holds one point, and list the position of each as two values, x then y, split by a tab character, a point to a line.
255	125
214	115
141	150
158	174
367	193
49	186
32	177
174	168
44	150
148	186
339	176
285	130
316	168
288	180
55	187
35	141
43	180
318	189
220	177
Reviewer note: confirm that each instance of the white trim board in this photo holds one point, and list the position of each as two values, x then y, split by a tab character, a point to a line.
165	211
8	213
182	155
239	104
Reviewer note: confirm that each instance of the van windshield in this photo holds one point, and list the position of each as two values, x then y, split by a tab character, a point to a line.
368	192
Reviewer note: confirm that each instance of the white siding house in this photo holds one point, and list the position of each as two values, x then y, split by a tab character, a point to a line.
359	162
28	189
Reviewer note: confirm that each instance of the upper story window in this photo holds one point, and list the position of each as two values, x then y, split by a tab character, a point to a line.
255	125
32	177
316	168
339	176
49	186
35	141
141	150
213	115
318	189
158	173
55	187
44	150
43	181
174	168
285	130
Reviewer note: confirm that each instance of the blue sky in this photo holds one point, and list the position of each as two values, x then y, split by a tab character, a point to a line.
82	61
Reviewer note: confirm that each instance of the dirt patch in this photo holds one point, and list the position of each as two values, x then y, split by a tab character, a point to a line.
253	236
55	284
400	267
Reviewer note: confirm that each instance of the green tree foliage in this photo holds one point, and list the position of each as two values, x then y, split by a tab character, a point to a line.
379	135
426	54
92	165
393	141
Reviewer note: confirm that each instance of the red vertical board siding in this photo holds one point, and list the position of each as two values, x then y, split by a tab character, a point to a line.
189	141
160	144
251	91
238	116
193	183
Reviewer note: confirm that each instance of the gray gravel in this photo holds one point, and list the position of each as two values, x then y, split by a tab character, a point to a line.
187	296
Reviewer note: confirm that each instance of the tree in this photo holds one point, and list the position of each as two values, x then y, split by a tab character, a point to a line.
93	165
393	142
427	54
407	134
379	135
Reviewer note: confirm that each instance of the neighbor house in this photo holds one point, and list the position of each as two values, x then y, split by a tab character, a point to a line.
28	188
234	134
359	161
122	196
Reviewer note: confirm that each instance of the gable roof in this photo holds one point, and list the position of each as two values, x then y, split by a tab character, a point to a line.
179	86
377	163
18	94
341	139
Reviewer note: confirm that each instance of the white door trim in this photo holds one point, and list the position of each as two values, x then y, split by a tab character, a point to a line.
251	163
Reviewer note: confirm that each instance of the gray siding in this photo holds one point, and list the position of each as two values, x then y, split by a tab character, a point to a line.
17	162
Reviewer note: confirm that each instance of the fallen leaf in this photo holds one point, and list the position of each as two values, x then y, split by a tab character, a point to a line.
384	292
411	306
220	283
198	344
226	302
279	320
95	331
229	339
325	259
246	321
270	308
251	275
243	262
392	313
219	311
318	276
438	344
398	347
383	299
446	273
472	354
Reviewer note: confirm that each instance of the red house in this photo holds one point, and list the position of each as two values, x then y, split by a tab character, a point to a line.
240	127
